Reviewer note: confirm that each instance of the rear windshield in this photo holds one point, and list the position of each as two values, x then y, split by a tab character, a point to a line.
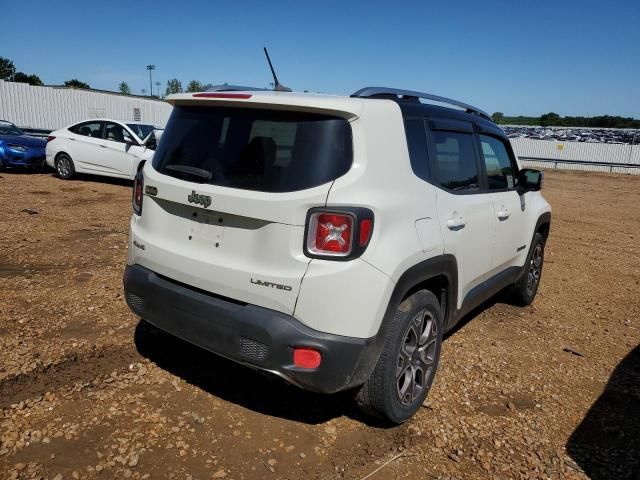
254	149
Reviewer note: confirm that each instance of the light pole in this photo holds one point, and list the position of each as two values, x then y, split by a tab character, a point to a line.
143	90
158	88
150	68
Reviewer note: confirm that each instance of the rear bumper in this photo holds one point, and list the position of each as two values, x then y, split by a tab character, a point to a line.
248	334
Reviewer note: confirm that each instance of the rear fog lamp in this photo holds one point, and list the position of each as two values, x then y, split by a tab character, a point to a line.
306	357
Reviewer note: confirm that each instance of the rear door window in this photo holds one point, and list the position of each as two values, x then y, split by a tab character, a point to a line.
455	166
88	129
255	149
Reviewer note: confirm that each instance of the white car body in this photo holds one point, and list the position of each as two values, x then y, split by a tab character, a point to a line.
250	248
101	154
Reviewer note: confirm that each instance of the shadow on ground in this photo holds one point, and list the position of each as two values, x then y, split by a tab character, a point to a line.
606	444
252	389
238	384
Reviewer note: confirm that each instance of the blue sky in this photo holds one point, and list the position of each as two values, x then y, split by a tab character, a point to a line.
528	58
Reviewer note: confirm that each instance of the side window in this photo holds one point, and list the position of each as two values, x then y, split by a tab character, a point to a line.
116	133
500	174
417	143
455	166
88	129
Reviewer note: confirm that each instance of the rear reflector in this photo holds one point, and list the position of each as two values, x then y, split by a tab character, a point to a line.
306	358
365	231
239	96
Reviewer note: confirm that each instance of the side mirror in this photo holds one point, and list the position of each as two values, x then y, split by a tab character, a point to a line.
531	180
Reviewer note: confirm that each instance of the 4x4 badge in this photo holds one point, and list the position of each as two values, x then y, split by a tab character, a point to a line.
204	200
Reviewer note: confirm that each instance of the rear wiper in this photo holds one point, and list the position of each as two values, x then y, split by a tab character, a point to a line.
188	171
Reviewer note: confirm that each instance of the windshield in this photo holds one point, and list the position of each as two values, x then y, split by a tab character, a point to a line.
8	128
142	131
254	149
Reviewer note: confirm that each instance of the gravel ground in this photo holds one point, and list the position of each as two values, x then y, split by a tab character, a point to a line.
87	390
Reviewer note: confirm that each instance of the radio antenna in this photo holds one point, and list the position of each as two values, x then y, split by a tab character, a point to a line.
276	84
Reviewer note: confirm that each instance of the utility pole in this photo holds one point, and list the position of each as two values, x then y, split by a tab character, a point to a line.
150	68
144	91
158	88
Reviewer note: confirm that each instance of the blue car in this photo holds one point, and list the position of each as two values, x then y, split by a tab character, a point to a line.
18	149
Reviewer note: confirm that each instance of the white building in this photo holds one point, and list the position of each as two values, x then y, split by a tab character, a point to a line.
50	108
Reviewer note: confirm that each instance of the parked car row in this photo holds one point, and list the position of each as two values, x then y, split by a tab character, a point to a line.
98	146
575	134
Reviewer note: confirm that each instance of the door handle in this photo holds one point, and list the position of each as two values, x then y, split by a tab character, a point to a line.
503	214
456	223
103	146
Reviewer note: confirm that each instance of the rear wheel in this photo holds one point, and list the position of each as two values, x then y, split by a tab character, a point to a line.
64	166
1	164
526	287
407	365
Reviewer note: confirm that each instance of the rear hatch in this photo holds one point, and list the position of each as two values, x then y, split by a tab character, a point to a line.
227	194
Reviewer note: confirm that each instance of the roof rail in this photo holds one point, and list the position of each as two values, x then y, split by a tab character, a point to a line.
369	92
233	88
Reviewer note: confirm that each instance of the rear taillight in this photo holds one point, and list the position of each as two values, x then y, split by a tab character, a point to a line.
340	234
330	234
138	188
50	138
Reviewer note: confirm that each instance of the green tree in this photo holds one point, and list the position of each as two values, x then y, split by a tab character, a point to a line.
194	86
32	79
75	83
498	117
124	88
549	119
7	70
173	86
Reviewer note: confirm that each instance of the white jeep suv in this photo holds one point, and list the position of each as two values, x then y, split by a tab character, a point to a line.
331	241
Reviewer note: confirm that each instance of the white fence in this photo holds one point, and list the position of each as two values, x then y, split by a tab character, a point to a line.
50	108
598	157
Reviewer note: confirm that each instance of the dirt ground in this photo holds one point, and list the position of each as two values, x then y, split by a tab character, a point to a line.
87	391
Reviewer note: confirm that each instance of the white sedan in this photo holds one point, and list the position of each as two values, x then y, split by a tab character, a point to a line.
101	147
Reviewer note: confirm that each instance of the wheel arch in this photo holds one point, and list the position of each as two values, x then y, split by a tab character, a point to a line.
439	275
543	225
57	156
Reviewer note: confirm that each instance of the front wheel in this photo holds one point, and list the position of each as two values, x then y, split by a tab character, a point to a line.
64	166
526	287
399	383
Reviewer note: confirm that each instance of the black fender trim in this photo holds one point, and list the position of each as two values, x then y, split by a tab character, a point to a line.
544	219
442	265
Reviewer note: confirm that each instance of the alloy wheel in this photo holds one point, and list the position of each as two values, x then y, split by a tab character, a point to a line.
64	167
535	269
417	356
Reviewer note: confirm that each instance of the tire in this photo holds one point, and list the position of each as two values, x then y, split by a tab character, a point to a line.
1	165
396	389
64	166
524	290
